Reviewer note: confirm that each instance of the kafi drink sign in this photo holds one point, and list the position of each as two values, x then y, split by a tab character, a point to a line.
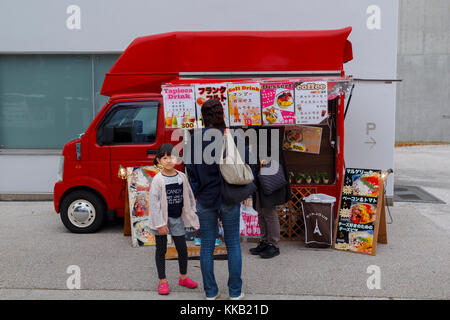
179	107
244	104
359	211
206	92
311	102
278	103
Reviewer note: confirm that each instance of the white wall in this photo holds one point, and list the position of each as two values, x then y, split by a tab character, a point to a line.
28	173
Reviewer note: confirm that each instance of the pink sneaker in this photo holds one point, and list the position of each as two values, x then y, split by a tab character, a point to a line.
188	283
163	288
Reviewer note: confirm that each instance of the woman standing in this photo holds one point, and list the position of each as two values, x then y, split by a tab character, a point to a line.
205	180
266	204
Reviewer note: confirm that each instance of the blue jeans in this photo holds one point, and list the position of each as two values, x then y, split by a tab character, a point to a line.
208	224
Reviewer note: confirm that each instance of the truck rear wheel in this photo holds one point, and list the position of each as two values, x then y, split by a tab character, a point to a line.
83	212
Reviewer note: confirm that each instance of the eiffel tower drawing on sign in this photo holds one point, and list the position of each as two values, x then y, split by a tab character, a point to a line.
316	229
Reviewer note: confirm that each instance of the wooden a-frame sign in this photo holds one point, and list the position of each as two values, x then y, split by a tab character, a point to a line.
361	216
126	217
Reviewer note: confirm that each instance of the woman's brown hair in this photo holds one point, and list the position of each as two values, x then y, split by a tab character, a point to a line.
212	114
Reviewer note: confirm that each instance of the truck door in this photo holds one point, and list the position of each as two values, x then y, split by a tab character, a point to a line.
135	131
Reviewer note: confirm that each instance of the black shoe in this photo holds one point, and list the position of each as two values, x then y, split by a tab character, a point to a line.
260	248
270	252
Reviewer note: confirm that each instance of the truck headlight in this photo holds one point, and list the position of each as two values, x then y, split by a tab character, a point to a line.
60	169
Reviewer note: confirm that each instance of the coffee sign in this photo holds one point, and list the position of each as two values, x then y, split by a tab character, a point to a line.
311	102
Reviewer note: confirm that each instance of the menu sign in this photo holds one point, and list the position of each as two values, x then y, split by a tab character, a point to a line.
139	180
277	100
179	106
359	211
302	139
311	102
206	92
244	104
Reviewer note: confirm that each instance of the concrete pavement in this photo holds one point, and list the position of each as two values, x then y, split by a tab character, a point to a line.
36	250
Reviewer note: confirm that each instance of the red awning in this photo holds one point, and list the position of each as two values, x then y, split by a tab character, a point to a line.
152	60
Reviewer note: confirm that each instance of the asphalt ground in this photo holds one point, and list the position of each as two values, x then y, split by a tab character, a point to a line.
36	251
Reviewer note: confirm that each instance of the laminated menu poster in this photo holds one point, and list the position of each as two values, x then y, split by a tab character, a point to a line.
277	100
138	183
302	139
311	102
179	106
205	92
359	211
244	104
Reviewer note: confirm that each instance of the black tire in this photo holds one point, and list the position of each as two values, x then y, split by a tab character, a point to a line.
92	205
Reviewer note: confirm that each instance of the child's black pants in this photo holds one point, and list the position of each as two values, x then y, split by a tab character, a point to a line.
161	249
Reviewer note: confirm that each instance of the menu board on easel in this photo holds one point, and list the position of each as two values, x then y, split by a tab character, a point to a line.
139	180
361	208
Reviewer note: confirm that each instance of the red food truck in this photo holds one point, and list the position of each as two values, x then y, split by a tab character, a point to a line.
131	126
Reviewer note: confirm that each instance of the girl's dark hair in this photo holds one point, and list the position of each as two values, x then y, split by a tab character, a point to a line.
212	114
163	150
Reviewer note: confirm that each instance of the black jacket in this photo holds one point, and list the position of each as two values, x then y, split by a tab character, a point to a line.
282	195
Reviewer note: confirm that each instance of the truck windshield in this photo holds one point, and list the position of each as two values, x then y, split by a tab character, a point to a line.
130	124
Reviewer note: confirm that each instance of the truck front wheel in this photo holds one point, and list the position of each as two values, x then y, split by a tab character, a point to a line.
83	212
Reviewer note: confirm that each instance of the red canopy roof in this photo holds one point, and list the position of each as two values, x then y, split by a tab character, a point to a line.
152	60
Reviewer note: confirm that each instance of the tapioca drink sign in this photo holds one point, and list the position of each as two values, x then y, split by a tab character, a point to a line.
179	106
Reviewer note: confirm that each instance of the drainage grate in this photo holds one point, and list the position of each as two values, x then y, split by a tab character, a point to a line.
414	194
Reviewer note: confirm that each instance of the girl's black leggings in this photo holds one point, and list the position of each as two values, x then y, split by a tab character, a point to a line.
160	256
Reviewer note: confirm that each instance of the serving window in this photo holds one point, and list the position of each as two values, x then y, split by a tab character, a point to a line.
317	165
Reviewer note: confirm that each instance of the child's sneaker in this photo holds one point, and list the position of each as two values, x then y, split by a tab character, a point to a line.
197	242
218	242
188	283
163	288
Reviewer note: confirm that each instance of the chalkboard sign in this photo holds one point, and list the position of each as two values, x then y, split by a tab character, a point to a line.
361	208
